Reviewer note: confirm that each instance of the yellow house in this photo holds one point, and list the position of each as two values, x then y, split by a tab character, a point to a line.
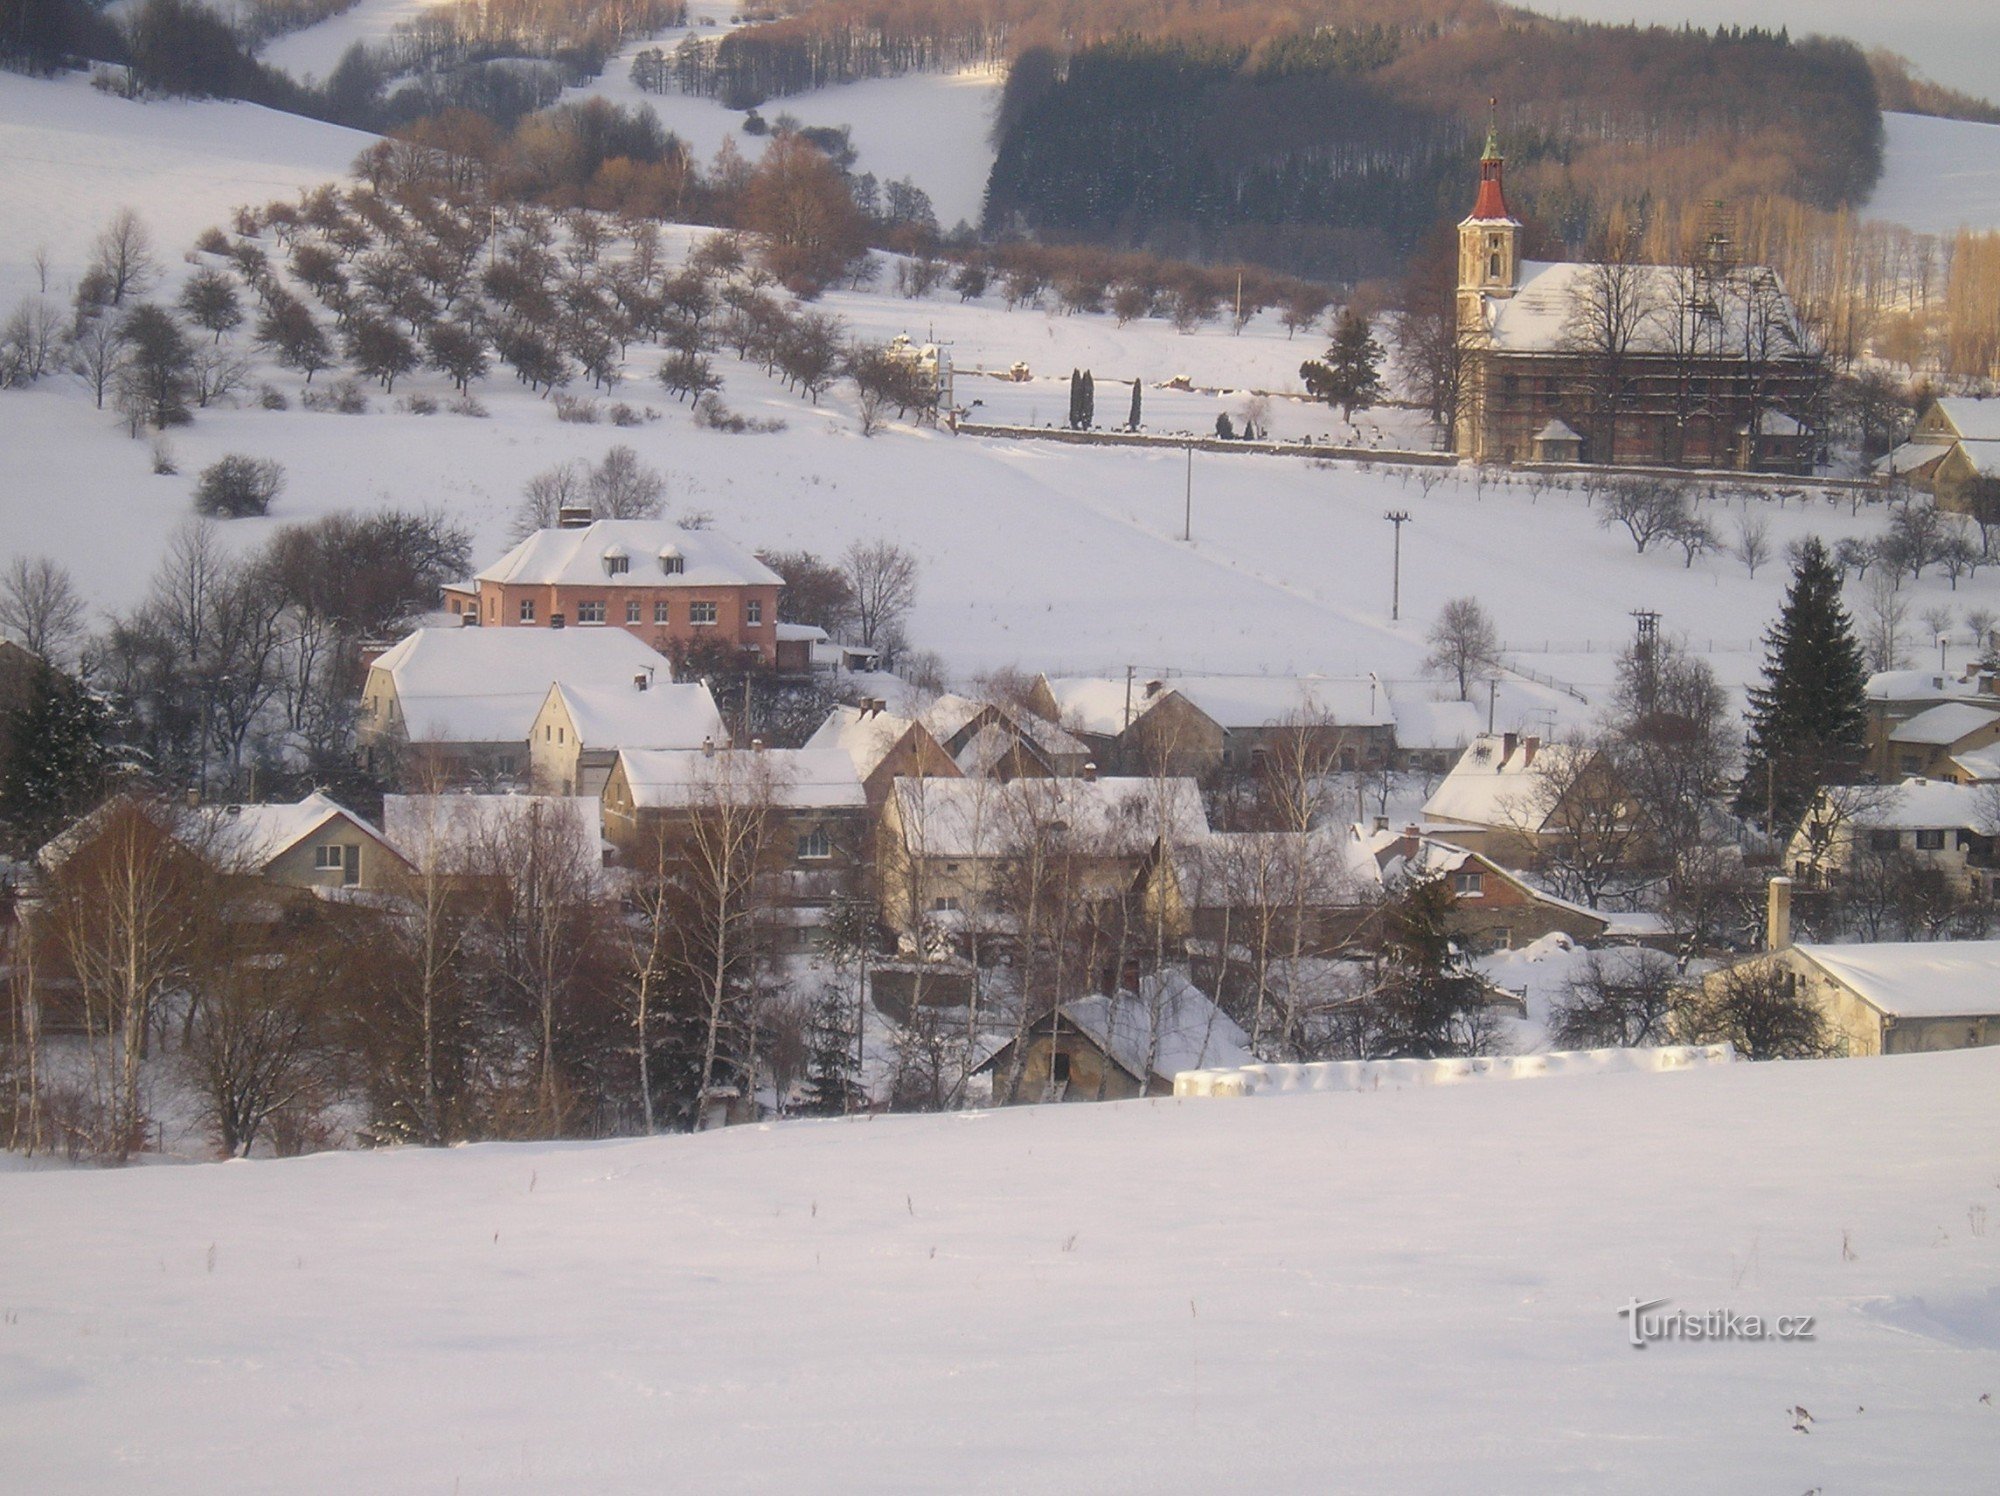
578	733
1955	442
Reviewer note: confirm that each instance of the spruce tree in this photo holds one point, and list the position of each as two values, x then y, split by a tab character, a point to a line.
1428	1000
1809	720
55	764
1350	375
830	1085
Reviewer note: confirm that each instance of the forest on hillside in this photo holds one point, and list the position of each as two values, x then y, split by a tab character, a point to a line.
1332	154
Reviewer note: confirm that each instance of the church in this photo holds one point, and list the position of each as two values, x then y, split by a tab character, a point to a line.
1704	365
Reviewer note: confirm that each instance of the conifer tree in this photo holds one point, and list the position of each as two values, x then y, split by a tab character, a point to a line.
830	1086
1429	1001
1809	720
1350	376
1132	421
1075	397
1087	405
55	766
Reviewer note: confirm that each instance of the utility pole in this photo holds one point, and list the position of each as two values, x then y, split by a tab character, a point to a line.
1398	518
1492	701
1128	694
1187	513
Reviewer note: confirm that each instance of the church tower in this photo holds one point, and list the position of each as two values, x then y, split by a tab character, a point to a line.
1489	242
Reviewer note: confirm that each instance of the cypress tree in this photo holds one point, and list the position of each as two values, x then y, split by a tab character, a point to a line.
1809	720
1075	396
1087	407
1132	421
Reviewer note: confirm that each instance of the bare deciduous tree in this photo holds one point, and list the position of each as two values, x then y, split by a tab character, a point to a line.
884	579
40	608
1463	644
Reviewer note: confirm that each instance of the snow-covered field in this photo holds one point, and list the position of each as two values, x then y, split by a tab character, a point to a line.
1412	1291
1033	555
1938	175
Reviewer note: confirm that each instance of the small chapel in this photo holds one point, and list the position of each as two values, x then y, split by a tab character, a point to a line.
1703	365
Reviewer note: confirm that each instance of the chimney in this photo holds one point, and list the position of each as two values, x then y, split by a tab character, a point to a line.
1153	688
1381	823
708	747
1530	746
1090	771
573	517
756	745
1778	923
1508	743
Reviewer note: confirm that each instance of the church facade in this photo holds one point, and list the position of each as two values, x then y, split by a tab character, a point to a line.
1702	366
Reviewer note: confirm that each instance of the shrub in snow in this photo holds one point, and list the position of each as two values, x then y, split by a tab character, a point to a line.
238	486
466	405
576	410
270	397
419	405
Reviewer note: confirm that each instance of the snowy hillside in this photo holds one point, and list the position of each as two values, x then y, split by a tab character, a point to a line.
1033	555
1939	175
1401	1291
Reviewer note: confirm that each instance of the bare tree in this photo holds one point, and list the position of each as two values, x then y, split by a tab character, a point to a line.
1754	1007
1648	508
97	354
623	487
1605	328
547	494
1464	644
1615	999
1753	541
40	608
123	256
1884	616
884	578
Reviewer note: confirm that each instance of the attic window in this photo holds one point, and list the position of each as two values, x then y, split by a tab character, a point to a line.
672	562
616	563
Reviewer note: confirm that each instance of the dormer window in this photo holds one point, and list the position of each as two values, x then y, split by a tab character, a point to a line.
672	562
616	563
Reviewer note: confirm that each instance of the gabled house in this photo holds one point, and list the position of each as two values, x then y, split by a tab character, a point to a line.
1492	908
996	741
471	841
808	804
1955	442
1131	726
1936	823
1929	744
577	735
315	844
948	847
1513	798
1344	723
1431	735
1224	889
1118	1048
669	587
456	705
882	746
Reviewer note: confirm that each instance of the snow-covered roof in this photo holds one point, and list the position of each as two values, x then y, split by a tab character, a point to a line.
1098	704
1432	726
1979	767
671	715
864	735
1170	1026
1922	805
487	685
795	778
1533	319
1917	979
985	818
1239	702
1913	454
1490	786
1941	726
1974	420
448	832
1918	685
253	836
1557	431
1325	866
577	557
951	714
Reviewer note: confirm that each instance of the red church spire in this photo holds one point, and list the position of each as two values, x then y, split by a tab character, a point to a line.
1492	203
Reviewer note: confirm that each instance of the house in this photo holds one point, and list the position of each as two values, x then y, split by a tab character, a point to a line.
1956	442
577	735
1885	997
1936	823
451	706
1928	744
473	841
1493	909
1710	366
1131	726
1430	735
1224	889
993	740
315	844
948	847
1511	798
805	648
802	813
882	746
1118	1048
670	587
1897	696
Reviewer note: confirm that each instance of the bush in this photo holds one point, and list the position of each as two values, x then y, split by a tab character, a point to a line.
270	397
420	405
466	405
712	415
624	415
238	486
576	410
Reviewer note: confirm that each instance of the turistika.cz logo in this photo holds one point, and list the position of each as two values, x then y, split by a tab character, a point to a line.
1644	1325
